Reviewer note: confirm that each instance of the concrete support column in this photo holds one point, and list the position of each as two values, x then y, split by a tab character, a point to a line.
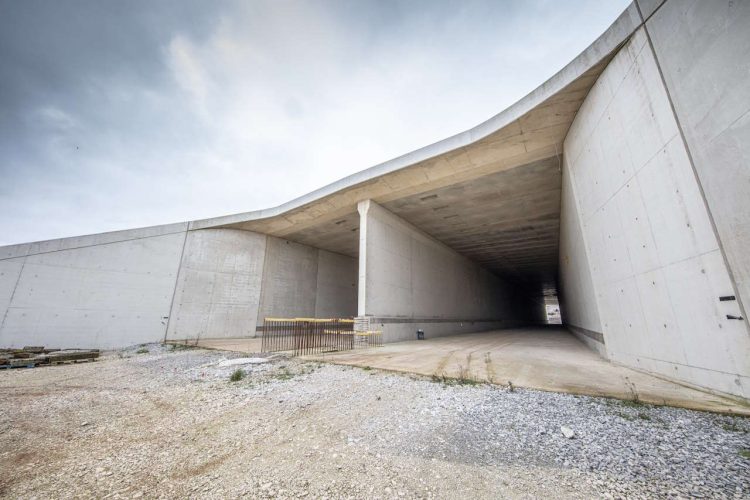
363	208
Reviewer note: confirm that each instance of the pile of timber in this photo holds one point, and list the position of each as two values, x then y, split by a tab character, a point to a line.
31	356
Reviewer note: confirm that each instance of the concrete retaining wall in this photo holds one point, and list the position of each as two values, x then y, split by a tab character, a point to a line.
290	277
410	280
106	290
336	295
130	287
656	266
304	281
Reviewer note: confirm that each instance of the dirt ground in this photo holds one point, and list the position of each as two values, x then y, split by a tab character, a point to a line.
168	423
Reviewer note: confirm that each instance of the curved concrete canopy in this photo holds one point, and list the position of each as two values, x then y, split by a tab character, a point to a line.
491	192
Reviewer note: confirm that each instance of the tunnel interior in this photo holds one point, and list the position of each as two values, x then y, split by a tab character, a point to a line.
507	222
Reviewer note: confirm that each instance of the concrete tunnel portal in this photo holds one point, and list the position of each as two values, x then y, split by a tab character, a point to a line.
488	246
618	186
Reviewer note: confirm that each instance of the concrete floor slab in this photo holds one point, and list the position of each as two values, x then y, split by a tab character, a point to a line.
547	358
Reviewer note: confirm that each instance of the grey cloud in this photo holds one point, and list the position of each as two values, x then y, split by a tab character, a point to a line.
122	114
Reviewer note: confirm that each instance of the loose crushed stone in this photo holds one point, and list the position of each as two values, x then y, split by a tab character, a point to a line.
168	423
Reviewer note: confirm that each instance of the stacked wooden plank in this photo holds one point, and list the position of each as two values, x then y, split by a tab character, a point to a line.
31	356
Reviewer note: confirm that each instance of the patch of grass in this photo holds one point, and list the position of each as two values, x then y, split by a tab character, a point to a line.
733	428
631	403
142	350
305	369
237	375
283	374
467	381
442	379
367	368
744	453
644	416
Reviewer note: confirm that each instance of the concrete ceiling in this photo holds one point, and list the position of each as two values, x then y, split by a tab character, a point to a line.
508	221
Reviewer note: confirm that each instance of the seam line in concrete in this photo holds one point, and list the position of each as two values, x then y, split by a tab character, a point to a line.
682	364
682	383
176	283
12	295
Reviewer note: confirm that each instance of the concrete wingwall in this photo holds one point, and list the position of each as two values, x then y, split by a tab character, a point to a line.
304	281
409	280
166	282
641	267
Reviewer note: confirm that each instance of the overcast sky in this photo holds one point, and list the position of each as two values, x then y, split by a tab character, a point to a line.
122	114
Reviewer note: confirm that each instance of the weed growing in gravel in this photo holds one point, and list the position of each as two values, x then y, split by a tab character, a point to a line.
631	386
733	427
284	374
308	368
366	368
142	350
180	347
744	453
442	379
462	379
467	381
237	375
635	403
625	416
644	416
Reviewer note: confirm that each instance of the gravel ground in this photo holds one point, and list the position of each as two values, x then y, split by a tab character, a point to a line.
169	423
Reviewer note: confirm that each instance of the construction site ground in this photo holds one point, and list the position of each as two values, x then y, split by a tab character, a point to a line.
161	421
